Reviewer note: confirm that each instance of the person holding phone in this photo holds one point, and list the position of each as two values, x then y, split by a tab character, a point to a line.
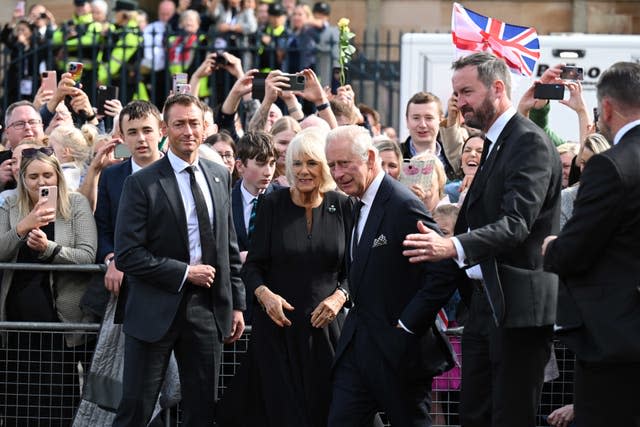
53	228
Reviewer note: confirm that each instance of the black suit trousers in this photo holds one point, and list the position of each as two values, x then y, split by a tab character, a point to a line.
606	394
365	383
502	370
197	344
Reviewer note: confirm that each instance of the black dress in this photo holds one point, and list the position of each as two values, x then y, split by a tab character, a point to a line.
284	379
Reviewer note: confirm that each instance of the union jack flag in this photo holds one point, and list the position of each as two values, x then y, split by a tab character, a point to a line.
517	46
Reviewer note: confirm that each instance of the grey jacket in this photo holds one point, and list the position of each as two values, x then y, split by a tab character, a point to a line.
78	240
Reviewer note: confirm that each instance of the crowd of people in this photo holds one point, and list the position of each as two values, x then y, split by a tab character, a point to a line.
338	244
121	47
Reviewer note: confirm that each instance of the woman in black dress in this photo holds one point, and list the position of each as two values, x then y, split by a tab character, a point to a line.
295	268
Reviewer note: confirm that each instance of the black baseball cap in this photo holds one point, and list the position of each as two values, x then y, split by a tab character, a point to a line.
125	5
322	8
276	9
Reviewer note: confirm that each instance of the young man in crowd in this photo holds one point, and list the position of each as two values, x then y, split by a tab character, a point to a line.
256	163
140	123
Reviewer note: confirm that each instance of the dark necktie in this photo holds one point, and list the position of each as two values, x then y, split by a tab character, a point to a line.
207	240
485	151
252	218
356	219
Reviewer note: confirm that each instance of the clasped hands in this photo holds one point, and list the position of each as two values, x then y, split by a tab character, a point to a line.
275	305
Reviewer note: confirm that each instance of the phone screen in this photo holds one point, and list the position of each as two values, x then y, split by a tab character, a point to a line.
122	151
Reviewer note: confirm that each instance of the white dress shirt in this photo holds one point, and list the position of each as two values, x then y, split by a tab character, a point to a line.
247	205
624	129
367	200
182	176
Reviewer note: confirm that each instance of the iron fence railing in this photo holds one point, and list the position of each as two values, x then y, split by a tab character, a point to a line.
374	71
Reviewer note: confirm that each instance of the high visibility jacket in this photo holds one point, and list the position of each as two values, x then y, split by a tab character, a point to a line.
183	54
84	45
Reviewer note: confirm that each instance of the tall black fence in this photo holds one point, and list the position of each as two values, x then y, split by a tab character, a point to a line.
374	71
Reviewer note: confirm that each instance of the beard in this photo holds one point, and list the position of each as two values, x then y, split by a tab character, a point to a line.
482	117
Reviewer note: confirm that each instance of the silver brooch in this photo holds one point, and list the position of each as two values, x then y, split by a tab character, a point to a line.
331	209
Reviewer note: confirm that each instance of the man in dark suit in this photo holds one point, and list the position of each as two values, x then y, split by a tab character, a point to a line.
597	255
176	245
383	360
140	123
513	203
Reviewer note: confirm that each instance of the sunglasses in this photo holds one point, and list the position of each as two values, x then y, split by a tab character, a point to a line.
31	152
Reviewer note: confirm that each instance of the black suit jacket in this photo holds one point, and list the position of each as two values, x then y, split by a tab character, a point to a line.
152	249
512	205
383	284
109	191
597	255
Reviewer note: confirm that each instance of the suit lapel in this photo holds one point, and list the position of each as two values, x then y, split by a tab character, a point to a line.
479	182
238	214
169	184
371	227
218	195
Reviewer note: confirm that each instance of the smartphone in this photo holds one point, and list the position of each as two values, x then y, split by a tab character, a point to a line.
417	172
335	79
49	80
178	79
548	91
20	8
257	87
5	155
122	151
296	81
220	59
105	93
183	88
572	73
49	193
75	69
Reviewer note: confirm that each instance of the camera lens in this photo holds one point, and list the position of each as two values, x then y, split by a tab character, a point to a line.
300	79
45	191
43	15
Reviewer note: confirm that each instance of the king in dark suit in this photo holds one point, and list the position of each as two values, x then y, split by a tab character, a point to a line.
513	202
384	360
598	257
176	244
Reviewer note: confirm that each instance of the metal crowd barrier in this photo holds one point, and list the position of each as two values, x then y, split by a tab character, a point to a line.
41	378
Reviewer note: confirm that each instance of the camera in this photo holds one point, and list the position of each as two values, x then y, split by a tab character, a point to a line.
220	58
44	192
43	15
572	73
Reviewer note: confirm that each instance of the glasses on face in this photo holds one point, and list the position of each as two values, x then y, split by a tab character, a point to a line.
30	152
227	155
21	124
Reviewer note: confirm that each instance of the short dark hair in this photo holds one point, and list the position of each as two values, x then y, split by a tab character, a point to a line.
223	136
139	110
424	98
621	82
15	105
365	109
490	68
183	99
256	145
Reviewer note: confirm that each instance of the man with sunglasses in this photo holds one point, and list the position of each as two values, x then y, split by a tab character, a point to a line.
21	121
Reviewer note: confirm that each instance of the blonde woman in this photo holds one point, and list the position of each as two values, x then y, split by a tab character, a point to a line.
72	150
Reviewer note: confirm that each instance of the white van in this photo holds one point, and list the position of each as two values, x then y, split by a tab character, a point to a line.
427	58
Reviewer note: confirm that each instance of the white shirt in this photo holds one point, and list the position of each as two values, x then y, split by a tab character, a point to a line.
367	200
624	129
182	176
153	36
247	205
475	272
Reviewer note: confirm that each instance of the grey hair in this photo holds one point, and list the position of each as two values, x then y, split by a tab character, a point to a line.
360	138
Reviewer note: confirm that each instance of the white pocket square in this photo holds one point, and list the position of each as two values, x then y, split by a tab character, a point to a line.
380	241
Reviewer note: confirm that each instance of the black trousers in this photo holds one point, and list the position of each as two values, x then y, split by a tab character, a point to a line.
364	383
502	370
607	394
198	349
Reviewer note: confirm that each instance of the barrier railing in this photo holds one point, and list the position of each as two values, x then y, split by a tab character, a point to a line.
42	379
